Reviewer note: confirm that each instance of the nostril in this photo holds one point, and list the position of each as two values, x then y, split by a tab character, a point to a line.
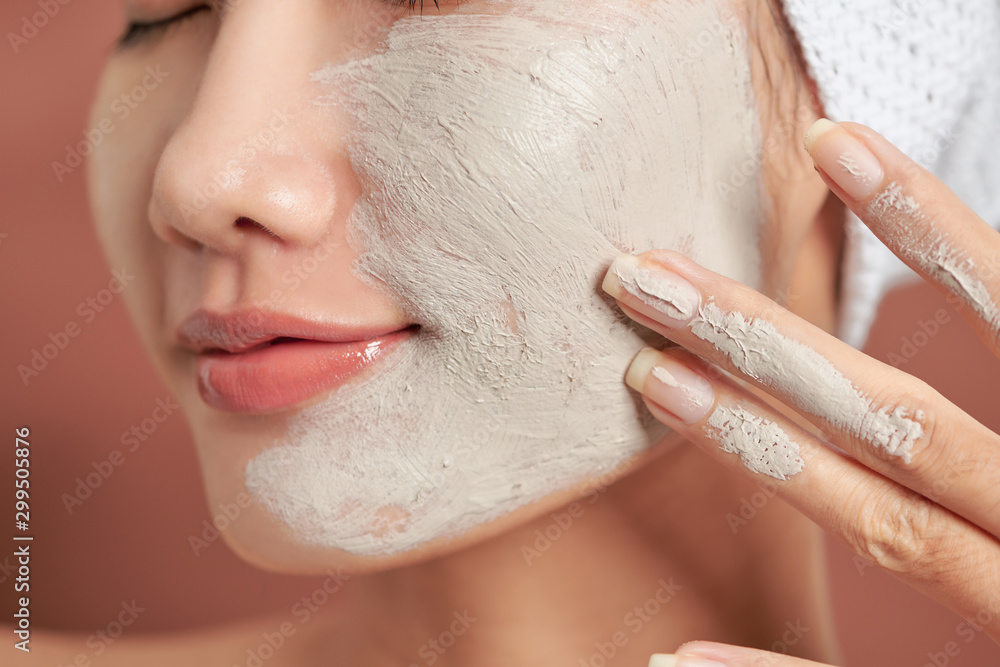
246	224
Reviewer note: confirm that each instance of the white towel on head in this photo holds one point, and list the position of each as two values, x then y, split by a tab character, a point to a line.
926	75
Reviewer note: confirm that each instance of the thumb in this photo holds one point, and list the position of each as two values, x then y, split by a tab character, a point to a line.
711	654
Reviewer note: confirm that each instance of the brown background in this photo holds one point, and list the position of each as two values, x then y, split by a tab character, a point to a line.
129	539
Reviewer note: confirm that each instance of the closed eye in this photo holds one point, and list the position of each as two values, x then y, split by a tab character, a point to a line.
411	4
139	31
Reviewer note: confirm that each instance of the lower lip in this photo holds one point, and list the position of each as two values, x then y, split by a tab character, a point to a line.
286	373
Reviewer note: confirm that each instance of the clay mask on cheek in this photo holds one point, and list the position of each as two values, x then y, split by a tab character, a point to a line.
508	152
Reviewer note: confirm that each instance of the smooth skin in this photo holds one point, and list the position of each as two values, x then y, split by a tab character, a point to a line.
933	521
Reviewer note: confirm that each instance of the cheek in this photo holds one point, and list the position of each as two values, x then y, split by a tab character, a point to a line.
137	107
120	168
519	178
502	175
120	173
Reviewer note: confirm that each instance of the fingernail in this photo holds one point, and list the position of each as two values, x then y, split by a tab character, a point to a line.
671	385
844	158
664	660
672	299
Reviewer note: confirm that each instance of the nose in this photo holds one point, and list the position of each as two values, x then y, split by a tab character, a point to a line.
256	161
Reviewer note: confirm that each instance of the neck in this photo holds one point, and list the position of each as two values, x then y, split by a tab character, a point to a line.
672	552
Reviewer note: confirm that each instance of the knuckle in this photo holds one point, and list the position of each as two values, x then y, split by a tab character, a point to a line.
893	532
894	437
905	428
933	447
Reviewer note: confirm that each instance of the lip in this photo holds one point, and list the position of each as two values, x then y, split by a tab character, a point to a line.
252	361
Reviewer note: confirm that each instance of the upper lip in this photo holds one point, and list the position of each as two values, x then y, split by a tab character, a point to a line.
243	330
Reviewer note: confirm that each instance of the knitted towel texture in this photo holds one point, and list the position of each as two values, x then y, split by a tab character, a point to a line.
926	75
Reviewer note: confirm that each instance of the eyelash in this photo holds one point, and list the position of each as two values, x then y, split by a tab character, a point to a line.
411	4
138	31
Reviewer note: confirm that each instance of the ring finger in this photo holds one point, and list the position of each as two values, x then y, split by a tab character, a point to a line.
926	545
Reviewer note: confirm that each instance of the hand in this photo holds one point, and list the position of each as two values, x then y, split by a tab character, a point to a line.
918	492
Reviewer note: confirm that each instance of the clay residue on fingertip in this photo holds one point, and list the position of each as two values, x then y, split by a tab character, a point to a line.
762	445
692	396
664	376
656	291
956	271
892	199
846	161
807	378
926	247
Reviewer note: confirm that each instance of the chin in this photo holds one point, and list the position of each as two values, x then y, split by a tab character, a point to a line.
264	541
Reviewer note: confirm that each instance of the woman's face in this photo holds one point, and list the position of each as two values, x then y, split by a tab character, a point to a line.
369	243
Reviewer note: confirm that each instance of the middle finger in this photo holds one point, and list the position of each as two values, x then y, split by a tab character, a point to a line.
888	420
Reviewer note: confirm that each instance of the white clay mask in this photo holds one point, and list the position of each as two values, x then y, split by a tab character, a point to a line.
762	445
947	264
760	351
508	152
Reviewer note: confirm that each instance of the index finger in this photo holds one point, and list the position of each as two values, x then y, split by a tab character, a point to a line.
915	215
